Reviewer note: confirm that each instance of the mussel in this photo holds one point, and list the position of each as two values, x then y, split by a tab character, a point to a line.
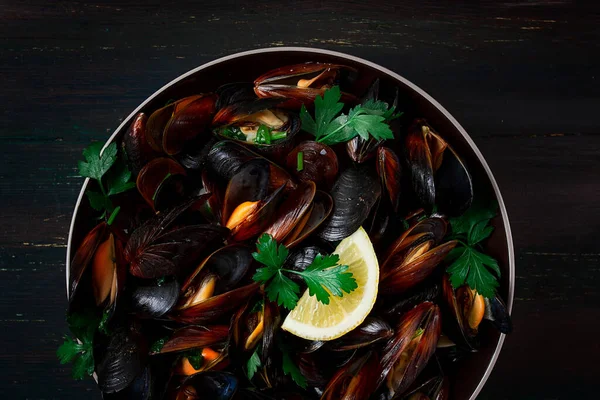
407	353
313	161
433	388
259	123
389	170
357	380
438	175
213	290
156	249
248	206
215	385
152	299
98	260
171	127
301	83
136	146
414	255
226	158
121	361
372	330
354	194
161	182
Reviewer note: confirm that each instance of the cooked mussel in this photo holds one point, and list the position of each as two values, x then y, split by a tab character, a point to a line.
157	249
161	183
354	194
226	158
356	380
136	146
99	260
294	210
407	353
433	388
171	127
215	385
151	298
466	309
212	290
414	255
313	161
372	330
121	361
248	206
260	124
497	312
141	388
389	170
437	173
302	83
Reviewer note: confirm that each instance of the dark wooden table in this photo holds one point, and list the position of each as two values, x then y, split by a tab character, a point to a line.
522	77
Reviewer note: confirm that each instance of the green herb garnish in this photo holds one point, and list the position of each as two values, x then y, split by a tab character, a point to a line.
110	173
300	161
195	358
289	366
233	132
253	363
322	276
157	346
469	264
84	327
330	127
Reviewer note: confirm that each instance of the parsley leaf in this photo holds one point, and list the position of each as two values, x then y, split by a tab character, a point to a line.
323	275
469	265
108	167
329	127
81	354
269	254
290	368
253	364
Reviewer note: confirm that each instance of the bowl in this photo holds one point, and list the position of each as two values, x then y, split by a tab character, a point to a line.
472	372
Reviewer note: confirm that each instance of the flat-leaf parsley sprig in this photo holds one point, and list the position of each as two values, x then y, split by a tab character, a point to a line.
110	173
469	264
323	276
80	351
330	126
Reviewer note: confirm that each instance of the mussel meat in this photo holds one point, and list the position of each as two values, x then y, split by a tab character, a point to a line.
301	83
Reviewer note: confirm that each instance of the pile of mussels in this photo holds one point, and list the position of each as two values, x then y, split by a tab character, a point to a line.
175	269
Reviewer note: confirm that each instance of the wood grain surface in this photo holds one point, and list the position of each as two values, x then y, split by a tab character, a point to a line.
523	78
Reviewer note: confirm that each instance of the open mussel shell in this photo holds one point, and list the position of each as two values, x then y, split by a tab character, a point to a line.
420	164
120	362
389	170
214	385
160	183
294	210
226	158
193	337
136	146
84	255
235	92
354	194
453	185
356	380
319	163
319	211
425	291
194	155
152	299
171	127
249	184
432	388
242	122
497	313
302	83
407	353
372	330
464	313
155	249
218	273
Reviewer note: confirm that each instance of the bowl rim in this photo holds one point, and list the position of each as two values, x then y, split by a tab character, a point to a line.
435	103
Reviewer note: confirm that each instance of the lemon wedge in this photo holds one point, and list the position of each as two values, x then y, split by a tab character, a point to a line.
313	320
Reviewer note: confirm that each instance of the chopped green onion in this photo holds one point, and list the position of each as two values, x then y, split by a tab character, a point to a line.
233	132
300	160
113	215
263	135
278	135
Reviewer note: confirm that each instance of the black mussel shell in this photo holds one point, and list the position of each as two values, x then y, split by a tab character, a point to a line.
372	330
194	155
237	92
497	313
153	299
319	163
214	385
354	194
453	185
140	389
121	362
250	183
